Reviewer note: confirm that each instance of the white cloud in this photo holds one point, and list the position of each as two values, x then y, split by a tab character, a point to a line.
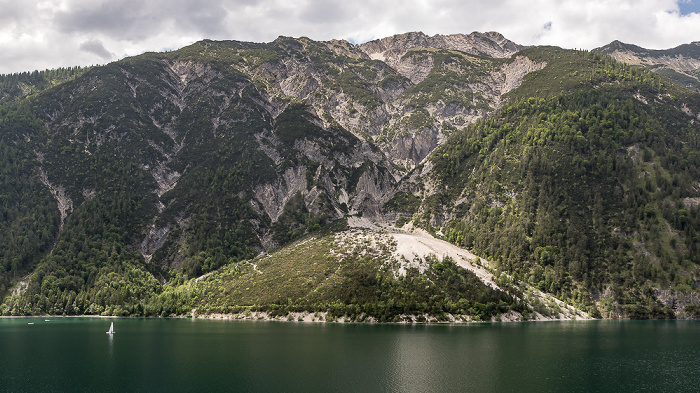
54	33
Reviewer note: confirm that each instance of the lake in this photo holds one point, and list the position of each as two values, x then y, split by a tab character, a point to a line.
183	355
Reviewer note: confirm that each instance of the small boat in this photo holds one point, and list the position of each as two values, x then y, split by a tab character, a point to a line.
30	323
111	329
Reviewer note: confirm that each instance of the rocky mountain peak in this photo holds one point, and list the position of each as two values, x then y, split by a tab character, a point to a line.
617	44
391	49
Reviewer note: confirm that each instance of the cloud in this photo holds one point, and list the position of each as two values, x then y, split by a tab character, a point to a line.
53	33
13	11
96	47
137	20
327	12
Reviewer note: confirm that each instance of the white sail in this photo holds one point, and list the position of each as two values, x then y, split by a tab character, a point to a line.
111	328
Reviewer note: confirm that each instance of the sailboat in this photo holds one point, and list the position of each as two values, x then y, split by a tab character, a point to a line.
111	329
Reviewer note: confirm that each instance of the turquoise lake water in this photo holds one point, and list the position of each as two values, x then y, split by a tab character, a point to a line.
183	355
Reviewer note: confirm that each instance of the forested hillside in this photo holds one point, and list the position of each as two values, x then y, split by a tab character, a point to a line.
157	184
588	188
14	87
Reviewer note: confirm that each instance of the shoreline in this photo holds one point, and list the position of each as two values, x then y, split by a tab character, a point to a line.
320	317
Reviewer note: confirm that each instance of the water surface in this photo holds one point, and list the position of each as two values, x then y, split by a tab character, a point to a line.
154	355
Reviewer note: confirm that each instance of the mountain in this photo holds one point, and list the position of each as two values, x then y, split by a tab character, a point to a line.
589	185
392	49
296	175
680	64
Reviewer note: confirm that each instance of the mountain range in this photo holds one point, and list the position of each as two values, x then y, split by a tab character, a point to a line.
346	180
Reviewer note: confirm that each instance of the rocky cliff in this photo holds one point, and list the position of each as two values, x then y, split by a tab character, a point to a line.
391	49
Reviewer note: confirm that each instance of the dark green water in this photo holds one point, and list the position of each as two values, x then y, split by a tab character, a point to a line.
180	355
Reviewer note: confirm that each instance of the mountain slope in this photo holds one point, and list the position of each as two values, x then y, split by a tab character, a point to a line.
680	64
365	273
14	87
571	173
175	163
392	49
586	189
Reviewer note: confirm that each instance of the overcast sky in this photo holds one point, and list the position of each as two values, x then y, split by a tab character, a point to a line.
37	35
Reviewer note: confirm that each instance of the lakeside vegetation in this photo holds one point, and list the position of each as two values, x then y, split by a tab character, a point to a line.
340	276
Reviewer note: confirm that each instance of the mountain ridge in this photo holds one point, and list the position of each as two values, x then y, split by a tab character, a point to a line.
681	64
157	169
391	49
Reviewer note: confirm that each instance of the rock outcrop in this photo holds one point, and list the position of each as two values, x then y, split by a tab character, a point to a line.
391	49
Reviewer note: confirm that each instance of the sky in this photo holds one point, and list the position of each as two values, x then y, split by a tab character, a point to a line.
46	34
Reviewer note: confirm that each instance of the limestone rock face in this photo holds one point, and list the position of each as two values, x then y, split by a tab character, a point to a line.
373	90
292	133
391	49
